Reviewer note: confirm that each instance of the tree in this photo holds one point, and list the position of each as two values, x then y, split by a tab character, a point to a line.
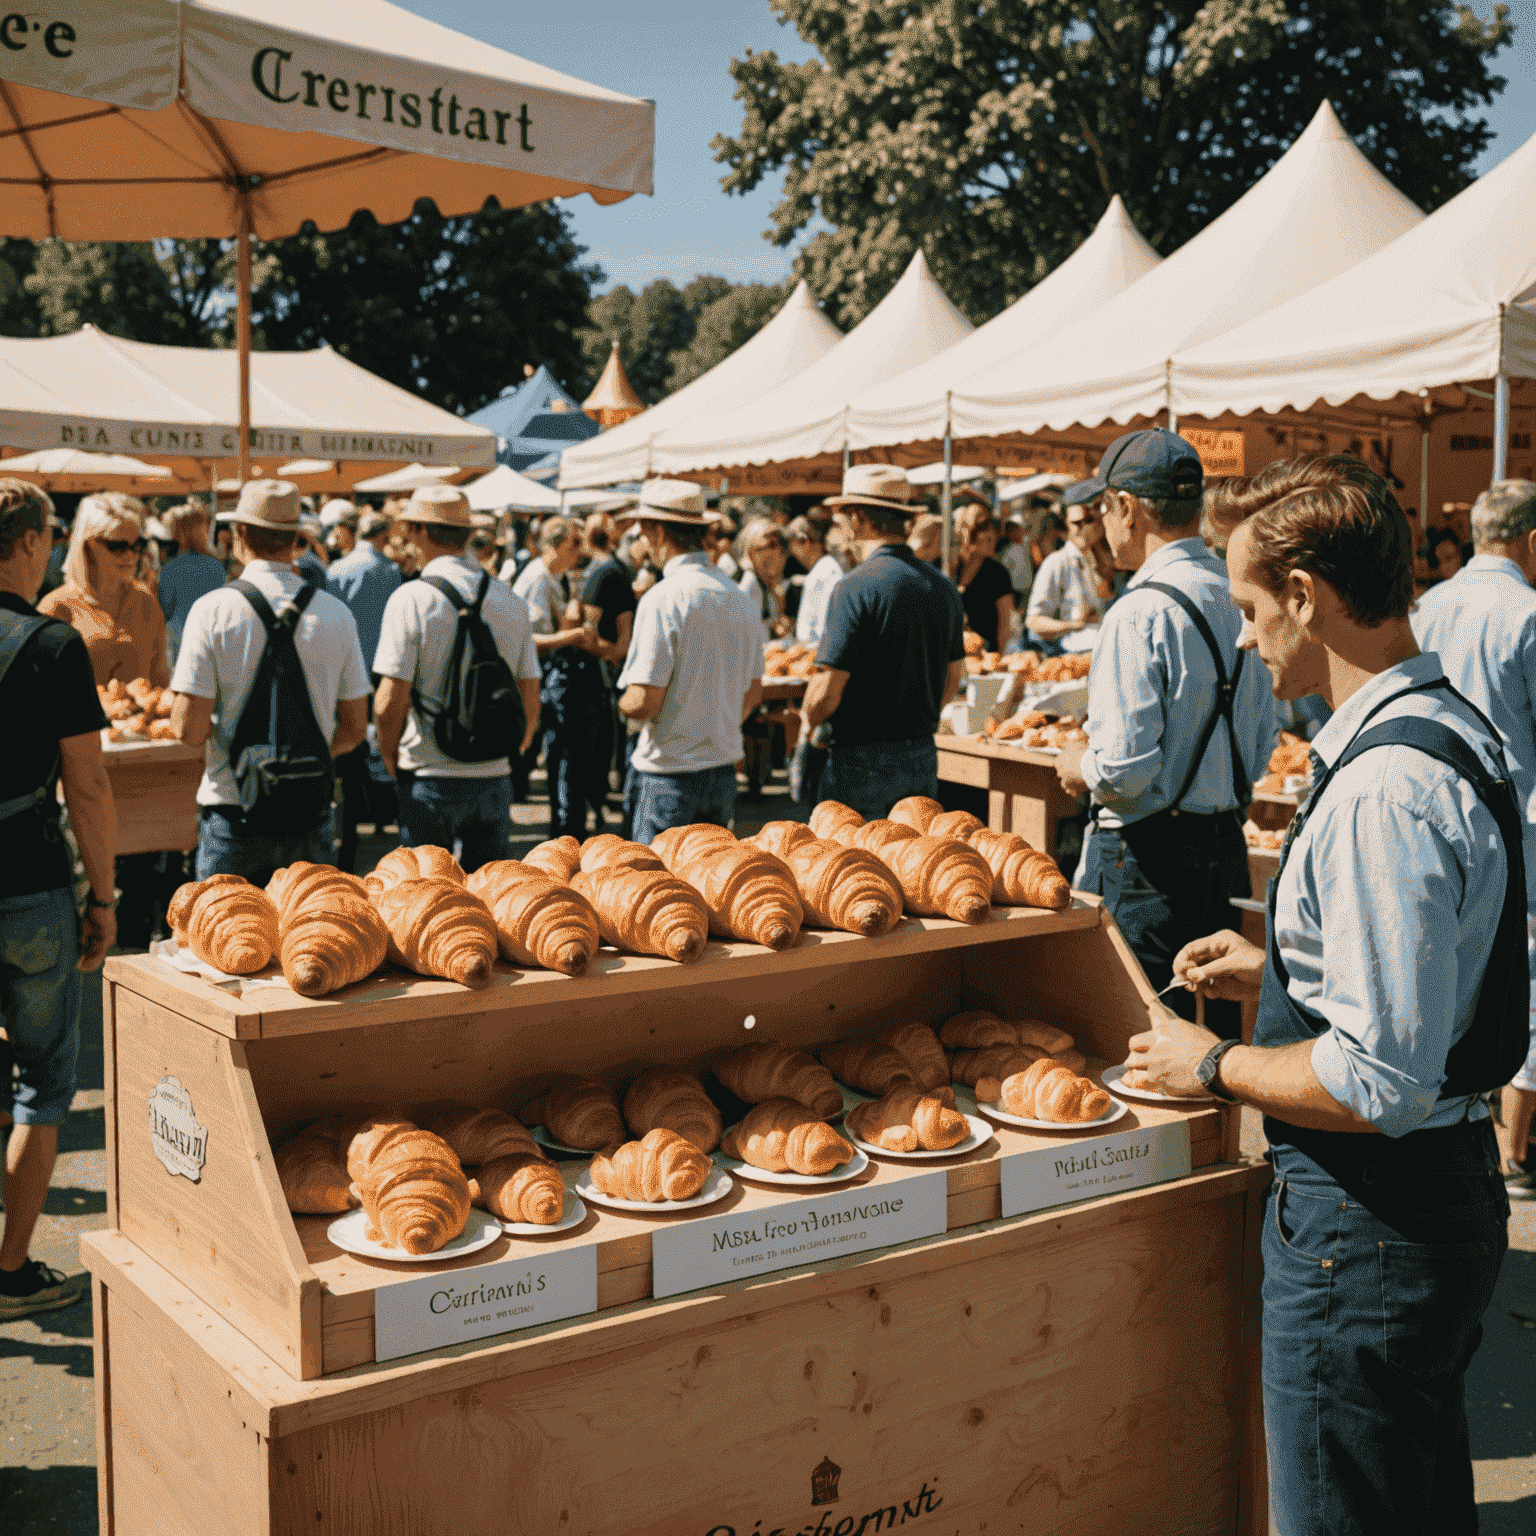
992	133
733	318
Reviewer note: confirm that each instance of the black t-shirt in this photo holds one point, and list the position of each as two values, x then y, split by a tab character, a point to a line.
610	586
894	627
991	582
49	694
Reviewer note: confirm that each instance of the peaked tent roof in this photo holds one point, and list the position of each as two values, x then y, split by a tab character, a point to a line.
1320	209
798	336
1453	300
534	419
504	488
807	415
613	399
912	407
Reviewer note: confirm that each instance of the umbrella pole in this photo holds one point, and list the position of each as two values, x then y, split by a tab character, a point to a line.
1500	424
243	336
947	501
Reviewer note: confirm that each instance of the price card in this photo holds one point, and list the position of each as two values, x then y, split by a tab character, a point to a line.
691	1254
1086	1167
484	1299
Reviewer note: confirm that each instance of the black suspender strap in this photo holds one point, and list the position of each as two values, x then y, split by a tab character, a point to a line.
16	629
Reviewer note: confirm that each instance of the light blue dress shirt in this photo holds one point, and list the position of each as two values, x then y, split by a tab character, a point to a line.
1153	685
1402	867
364	581
183	579
1482	625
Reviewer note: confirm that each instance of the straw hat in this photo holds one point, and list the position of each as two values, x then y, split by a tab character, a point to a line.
444	504
338	510
669	501
875	485
371	523
271	504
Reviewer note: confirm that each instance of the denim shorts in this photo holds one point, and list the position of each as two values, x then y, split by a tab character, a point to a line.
663	800
225	847
40	1001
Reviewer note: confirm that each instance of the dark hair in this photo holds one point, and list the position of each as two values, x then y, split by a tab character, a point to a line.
23	507
267	543
1168	513
597	536
884	520
1439	536
688	537
444	535
1336	518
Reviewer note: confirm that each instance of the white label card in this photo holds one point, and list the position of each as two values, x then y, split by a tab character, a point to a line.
706	1252
484	1299
179	1141
1087	1167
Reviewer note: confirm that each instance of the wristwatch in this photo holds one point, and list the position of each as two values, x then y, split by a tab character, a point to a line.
92	900
1205	1073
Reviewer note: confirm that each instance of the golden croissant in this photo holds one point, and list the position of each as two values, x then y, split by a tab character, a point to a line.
577	1112
479	1135
835	821
940	876
522	1186
839	886
783	1136
660	1166
978	1027
867	1065
560	857
778	837
226	922
924	1055
438	927
999	1061
605	851
759	1072
674	1101
908	1120
1021	875
916	811
540	921
413	864
312	1168
749	893
955	824
1046	1090
367	1132
880	834
647	912
413	1190
329	933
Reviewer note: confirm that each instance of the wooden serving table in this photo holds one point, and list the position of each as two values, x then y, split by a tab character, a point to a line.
1023	793
783	694
154	790
1038	1369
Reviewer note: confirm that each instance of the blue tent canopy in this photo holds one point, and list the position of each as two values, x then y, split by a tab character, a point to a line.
533	420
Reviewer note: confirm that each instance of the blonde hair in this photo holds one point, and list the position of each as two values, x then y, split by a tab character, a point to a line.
759	530
188	525
98	515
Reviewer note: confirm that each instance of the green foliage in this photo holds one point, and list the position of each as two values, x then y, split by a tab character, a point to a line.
992	133
733	318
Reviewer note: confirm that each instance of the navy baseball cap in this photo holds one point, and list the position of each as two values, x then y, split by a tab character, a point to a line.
1155	464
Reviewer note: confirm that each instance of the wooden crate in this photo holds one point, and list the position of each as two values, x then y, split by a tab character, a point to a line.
154	791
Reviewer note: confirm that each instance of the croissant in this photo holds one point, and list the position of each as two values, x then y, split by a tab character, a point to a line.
605	851
560	857
835	821
414	1190
660	1166
868	1065
759	1072
975	1029
329	934
577	1112
940	876
479	1135
840	887
367	1133
438	927
1046	1090
226	922
958	824
783	1136
312	1168
1001	1061
906	1119
778	837
920	1047
540	921
647	912
413	864
522	1186
917	812
878	835
1021	875
674	1101
749	893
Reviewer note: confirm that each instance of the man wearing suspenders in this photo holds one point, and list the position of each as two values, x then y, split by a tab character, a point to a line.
1392	993
1178	726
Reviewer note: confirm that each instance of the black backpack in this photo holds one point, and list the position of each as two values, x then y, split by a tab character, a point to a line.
482	717
16	630
282	760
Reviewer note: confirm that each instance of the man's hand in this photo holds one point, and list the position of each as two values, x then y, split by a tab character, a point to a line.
1069	768
1222	965
1514	1123
98	933
1164	1059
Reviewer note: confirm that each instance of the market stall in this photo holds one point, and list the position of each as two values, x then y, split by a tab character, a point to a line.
1006	1333
154	793
1023	793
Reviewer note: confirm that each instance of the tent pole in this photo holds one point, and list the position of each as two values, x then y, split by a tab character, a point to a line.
243	334
1500	424
1424	474
947	502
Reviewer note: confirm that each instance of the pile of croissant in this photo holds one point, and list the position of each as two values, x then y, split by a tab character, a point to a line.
136	709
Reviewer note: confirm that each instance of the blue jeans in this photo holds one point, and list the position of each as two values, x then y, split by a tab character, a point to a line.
224	847
40	1001
870	779
471	818
578	743
663	800
1377	1270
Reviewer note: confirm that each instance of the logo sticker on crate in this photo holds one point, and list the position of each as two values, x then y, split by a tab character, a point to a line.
179	1141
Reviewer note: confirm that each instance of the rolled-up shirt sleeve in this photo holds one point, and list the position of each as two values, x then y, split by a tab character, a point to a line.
1389	988
652	649
1126	714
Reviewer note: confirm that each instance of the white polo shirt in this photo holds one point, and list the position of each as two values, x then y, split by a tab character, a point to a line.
698	635
416	645
221	650
816	600
544	597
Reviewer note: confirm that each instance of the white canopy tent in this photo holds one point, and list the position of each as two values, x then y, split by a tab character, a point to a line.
933	474
401	482
796	337
1321	209
913	407
506	490
74	469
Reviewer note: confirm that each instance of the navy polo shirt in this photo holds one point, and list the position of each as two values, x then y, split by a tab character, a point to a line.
894	627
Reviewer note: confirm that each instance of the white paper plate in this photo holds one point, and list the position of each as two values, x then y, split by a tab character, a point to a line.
716	1187
1115	1111
844	1171
480	1231
1112	1081
575	1213
544	1139
981	1133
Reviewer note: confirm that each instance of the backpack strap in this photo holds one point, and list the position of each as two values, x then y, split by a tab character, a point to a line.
269	620
461	609
16	631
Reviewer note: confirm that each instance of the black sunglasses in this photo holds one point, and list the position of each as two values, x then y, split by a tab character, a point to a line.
122	546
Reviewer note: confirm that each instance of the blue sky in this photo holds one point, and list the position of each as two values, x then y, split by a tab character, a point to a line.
677	53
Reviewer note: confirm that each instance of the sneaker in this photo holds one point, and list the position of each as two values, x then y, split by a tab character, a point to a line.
1519	1183
43	1290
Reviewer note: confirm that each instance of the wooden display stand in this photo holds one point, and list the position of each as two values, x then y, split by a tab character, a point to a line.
1088	1367
154	791
1023	793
